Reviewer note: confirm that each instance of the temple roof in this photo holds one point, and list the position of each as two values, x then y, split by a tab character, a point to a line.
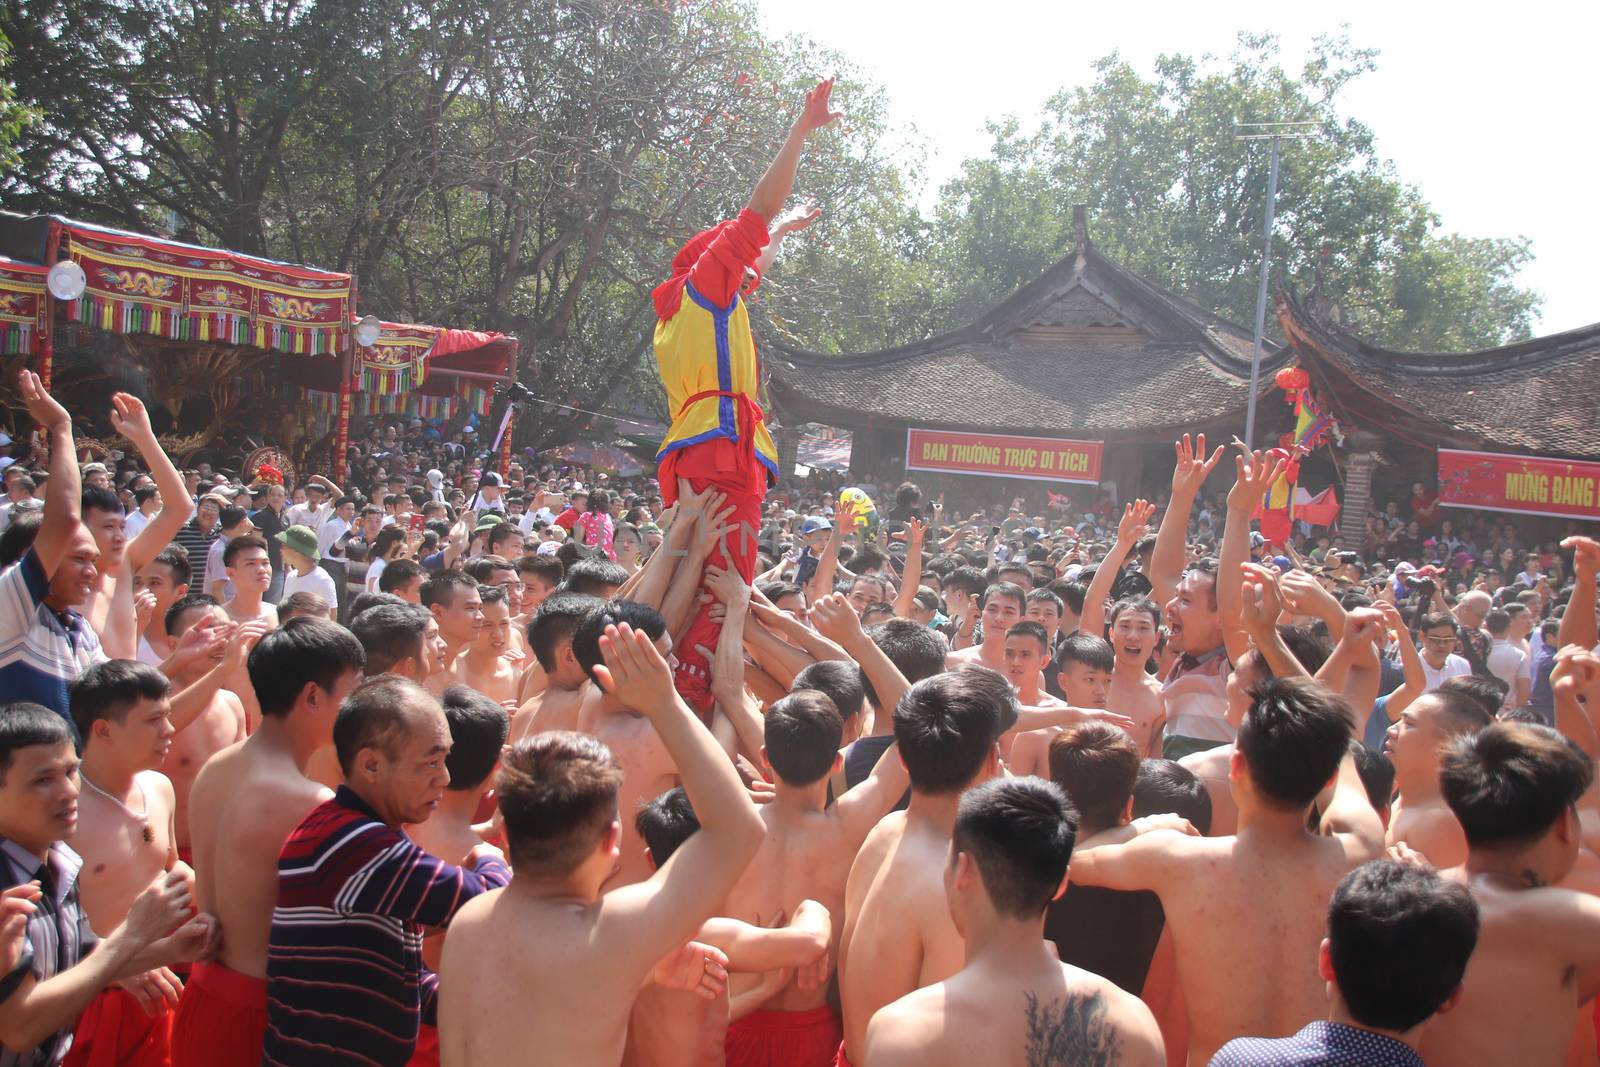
1088	347
1533	396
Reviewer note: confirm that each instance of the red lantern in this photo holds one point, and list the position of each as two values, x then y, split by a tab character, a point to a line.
1292	379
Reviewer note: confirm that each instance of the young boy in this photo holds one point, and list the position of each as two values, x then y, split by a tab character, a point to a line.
166	579
300	556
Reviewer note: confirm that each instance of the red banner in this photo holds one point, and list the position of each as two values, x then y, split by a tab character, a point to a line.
21	306
1049	459
1532	485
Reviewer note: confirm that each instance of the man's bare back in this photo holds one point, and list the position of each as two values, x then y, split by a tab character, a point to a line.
554	708
1429	827
898	932
244	803
1211	767
1010	1016
1537	959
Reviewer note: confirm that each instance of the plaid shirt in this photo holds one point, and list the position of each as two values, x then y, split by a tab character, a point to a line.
58	936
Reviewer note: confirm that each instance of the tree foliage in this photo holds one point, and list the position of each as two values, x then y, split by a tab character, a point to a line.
1175	196
531	166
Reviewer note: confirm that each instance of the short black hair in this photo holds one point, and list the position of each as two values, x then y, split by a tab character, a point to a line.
18	537
480	567
594	576
397	573
1293	738
916	651
1004	589
586	638
947	725
110	689
1045	596
241	544
1089	649
25	724
301	652
176	559
1071	593
493	594
1376	772
841	682
1167	787
555	621
1435	619
547	569
1019	832
1029	628
478	729
969	580
376	715
441	587
1399	938
182	606
1509	782
557	794
803	733
665	823
366	600
390	633
97	499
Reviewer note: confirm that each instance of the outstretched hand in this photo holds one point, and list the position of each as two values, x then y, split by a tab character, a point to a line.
1260	604
796	218
634	671
818	108
1192	467
1135	522
1256	473
130	419
42	407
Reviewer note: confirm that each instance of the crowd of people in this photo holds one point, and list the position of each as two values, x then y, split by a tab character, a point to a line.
447	764
397	772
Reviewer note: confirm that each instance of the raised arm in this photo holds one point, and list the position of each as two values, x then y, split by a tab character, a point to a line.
728	667
678	607
62	498
1166	562
773	190
643	922
1133	525
1349	815
655	577
1352	669
1575	678
827	571
1416	680
1255	473
1259	608
1578	625
837	621
911	580
131	420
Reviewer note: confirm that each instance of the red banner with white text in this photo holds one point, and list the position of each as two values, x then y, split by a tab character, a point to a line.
1050	459
1532	485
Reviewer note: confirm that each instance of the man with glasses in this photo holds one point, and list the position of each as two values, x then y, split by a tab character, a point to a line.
1439	661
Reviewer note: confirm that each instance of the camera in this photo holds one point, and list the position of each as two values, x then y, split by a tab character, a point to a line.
515	390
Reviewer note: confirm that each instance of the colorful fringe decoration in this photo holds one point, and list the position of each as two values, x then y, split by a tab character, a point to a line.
22	306
141	285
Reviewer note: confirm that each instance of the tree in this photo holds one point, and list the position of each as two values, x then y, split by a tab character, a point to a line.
1174	196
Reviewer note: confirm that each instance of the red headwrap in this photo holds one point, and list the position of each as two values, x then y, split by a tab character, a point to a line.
669	294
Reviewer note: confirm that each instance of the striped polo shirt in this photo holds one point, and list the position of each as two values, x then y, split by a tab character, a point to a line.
41	652
345	978
58	936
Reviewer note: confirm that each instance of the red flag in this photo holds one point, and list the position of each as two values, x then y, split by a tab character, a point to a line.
1320	510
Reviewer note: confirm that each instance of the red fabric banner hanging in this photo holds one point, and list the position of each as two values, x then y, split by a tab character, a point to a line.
1048	459
1532	485
22	306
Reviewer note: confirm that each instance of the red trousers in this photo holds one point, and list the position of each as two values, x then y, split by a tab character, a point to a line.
732	470
222	1019
114	1031
785	1038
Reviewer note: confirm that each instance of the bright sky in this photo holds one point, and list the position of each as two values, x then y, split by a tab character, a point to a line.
1488	111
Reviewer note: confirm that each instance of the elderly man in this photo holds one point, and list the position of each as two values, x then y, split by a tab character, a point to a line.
1470	612
345	953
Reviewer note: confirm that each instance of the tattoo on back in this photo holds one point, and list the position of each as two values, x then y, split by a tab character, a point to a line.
1531	879
1073	1031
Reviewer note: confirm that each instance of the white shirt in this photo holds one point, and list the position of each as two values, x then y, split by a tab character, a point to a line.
216	571
306	515
135	523
1454	666
316	580
374	572
329	532
1505	663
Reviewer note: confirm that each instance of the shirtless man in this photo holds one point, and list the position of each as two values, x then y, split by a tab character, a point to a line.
1012	998
1000	609
110	608
1421	819
125	836
550	962
807	855
246	801
220	723
482	665
898	934
629	735
163	581
1514	788
399	639
676	1028
250	570
556	705
1085	679
1247	911
453	600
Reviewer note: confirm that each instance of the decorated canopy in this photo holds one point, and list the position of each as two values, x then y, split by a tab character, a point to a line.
22	306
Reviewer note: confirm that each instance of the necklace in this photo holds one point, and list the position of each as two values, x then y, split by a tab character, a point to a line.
141	817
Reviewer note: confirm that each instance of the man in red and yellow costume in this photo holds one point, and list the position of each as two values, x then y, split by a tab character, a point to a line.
708	364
